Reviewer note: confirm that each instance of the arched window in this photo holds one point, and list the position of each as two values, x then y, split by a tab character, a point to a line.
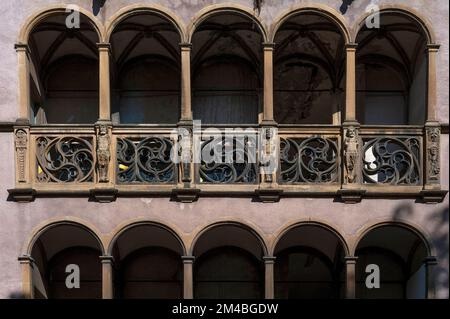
148	264
228	264
146	70
391	73
309	68
64	72
400	256
309	264
227	70
56	249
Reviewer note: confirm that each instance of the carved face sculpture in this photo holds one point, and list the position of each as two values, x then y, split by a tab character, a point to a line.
103	130
351	133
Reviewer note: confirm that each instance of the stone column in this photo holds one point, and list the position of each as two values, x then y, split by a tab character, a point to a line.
430	264
24	82
432	50
432	192
268	84
107	277
27	264
350	83
104	50
188	283
186	107
269	264
350	277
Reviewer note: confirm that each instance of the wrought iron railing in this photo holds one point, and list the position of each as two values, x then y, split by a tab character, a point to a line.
318	159
392	158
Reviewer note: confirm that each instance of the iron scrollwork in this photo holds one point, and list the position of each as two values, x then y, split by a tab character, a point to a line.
145	160
391	160
235	164
64	159
309	160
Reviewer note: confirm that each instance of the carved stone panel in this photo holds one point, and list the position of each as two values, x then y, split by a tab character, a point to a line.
351	155
103	153
21	143
432	156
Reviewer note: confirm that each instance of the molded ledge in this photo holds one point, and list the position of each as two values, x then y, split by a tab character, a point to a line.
268	195
22	195
186	195
351	196
432	196
104	195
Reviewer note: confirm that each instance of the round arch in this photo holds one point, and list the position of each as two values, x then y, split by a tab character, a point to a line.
42	14
131	10
421	21
280	234
319	9
47	225
215	9
407	226
239	224
130	225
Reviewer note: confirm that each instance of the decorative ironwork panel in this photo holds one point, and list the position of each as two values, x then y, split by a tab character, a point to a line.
65	159
392	160
234	161
309	160
145	160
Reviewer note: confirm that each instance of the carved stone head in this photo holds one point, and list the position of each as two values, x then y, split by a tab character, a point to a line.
351	132
103	130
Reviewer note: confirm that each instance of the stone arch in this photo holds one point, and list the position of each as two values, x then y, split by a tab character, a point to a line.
320	9
128	11
424	24
215	9
44	13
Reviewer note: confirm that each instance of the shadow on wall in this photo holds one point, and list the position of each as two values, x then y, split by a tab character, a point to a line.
16	295
440	220
97	5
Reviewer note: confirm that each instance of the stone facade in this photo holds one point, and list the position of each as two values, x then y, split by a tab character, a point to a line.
22	221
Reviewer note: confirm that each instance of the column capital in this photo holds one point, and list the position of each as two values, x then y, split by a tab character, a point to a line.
433	124
353	123
185	46
433	47
21	47
26	259
431	261
269	46
188	259
106	259
104	46
351	46
269	259
350	259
